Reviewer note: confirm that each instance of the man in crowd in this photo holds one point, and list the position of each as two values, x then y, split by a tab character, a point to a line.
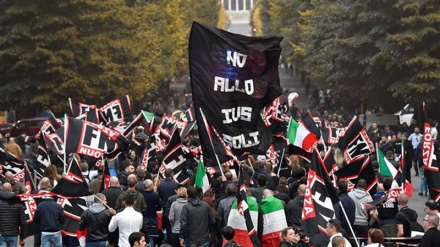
167	188
137	239
13	148
431	207
334	229
404	217
225	204
359	196
195	220
387	211
432	234
349	206
123	175
128	221
294	208
112	194
96	220
416	141
50	217
12	218
140	204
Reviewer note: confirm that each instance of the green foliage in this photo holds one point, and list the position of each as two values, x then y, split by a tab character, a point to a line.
93	51
366	50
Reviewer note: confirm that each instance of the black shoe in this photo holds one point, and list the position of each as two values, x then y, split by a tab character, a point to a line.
420	194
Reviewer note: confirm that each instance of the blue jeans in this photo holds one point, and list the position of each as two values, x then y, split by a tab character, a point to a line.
96	244
51	240
197	245
8	241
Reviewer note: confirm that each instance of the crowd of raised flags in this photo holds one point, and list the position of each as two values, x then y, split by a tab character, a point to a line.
104	133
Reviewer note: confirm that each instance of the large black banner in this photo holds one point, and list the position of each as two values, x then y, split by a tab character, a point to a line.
233	77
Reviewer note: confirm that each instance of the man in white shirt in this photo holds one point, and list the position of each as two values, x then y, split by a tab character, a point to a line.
128	221
334	229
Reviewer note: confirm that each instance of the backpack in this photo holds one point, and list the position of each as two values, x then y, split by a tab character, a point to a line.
413	225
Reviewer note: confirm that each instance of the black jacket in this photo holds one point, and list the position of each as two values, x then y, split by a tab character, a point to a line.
49	215
166	189
294	212
12	216
112	194
196	220
96	220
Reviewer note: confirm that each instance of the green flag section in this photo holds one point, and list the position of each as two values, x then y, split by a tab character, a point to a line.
202	180
148	116
300	136
385	167
388	169
274	220
236	220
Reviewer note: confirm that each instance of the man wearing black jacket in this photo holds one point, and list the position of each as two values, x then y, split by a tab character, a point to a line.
195	221
12	218
96	220
50	217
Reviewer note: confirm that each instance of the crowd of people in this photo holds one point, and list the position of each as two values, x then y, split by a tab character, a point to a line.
139	208
192	218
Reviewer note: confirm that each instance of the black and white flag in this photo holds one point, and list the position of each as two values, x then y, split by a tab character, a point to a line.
233	77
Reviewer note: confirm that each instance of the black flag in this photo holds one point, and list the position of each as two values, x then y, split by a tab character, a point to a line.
355	144
233	77
319	199
175	159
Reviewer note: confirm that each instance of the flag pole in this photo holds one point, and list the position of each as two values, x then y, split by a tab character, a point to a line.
212	145
349	225
281	162
377	155
402	162
65	142
103	203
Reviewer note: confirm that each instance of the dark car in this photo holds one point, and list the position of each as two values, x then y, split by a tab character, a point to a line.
4	125
30	126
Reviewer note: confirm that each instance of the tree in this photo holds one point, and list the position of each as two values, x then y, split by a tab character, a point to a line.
93	51
365	50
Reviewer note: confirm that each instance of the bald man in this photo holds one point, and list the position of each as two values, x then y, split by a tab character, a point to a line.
113	192
12	218
405	215
45	184
9	177
294	208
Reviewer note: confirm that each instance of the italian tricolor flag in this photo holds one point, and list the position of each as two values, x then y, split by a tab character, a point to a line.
236	220
202	180
388	169
274	220
299	134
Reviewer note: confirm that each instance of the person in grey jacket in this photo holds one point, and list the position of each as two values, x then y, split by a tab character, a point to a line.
359	196
174	214
195	220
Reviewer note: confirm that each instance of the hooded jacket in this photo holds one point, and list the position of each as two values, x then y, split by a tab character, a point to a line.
294	212
360	196
12	216
196	220
175	212
96	219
